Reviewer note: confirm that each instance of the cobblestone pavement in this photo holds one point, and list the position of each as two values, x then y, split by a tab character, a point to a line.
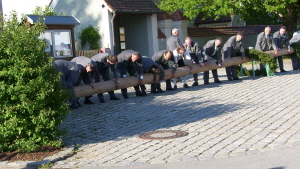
235	118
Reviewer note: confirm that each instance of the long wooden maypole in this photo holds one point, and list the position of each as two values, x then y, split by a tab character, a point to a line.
105	86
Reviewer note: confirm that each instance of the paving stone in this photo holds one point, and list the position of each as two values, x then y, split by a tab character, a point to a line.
231	119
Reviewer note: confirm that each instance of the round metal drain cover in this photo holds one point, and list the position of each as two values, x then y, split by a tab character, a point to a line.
163	134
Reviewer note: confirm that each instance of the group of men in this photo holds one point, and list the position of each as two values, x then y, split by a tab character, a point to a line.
88	70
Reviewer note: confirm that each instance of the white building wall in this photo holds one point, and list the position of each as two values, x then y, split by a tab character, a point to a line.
22	7
88	12
182	26
152	34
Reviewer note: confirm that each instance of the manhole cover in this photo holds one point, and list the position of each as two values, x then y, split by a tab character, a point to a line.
163	134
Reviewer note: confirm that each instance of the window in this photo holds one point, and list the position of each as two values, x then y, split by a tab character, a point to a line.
59	43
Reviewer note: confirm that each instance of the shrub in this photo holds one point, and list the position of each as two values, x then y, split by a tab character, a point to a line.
91	36
32	99
263	58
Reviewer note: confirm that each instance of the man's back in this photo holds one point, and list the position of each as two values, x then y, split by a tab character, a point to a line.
172	43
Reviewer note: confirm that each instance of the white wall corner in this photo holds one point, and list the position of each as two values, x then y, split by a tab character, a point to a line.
152	34
165	26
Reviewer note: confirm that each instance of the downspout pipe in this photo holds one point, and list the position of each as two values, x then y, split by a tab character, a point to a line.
113	32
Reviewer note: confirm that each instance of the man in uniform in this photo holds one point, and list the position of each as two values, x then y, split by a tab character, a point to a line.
264	41
88	74
295	60
196	55
213	52
280	41
182	58
70	77
232	48
150	66
166	60
173	41
131	61
105	62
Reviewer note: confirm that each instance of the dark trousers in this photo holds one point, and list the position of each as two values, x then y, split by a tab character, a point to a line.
231	72
86	80
168	82
131	71
196	74
296	63
214	73
280	62
104	72
67	82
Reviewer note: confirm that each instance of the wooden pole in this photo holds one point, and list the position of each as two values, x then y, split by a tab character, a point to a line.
106	86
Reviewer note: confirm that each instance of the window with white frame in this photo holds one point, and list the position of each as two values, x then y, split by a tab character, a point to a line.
59	43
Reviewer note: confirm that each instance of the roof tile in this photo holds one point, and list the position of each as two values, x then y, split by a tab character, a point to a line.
160	34
133	6
178	16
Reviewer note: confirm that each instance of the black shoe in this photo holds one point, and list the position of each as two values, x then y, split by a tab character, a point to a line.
195	84
170	88
186	86
236	78
218	81
230	80
144	92
88	102
282	70
126	97
74	106
141	94
114	98
206	82
175	87
102	101
295	69
155	92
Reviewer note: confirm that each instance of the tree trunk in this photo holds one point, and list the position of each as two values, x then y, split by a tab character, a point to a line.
106	86
290	21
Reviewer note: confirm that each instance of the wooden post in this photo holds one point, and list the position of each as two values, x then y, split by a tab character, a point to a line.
106	86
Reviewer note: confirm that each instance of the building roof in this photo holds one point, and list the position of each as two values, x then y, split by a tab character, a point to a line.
178	16
229	30
160	34
163	16
199	19
133	6
54	20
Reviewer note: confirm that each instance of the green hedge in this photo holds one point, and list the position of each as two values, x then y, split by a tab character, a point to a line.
262	58
32	99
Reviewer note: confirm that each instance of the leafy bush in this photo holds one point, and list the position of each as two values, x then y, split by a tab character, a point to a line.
263	58
32	99
91	36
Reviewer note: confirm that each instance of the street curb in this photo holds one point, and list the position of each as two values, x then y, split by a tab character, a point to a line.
65	153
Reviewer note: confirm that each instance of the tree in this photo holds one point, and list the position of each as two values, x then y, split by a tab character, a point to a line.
32	98
47	11
286	10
